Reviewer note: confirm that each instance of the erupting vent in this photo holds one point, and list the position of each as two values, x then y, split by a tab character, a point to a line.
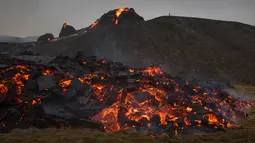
118	13
116	16
114	95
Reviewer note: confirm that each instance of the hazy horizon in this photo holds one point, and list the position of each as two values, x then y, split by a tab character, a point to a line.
36	17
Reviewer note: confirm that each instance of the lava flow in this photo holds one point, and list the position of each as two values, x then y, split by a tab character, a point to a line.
115	20
119	12
94	24
116	96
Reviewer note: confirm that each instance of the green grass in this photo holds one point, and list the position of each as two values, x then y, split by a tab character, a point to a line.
246	88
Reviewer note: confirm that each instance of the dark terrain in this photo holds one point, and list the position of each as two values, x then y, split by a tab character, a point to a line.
16	48
184	47
187	47
246	134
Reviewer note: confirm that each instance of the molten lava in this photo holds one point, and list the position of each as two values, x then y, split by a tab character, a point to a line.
3	89
109	117
65	83
152	100
94	24
152	71
119	12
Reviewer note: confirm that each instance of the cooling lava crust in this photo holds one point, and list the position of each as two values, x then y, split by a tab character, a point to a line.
90	92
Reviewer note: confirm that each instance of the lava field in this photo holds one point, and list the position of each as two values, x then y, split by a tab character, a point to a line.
87	92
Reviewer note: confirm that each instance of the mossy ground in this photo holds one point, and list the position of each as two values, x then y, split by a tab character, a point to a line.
245	134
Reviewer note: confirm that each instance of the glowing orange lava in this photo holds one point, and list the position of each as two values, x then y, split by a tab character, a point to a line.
65	83
109	117
118	13
3	89
163	99
94	24
152	71
47	72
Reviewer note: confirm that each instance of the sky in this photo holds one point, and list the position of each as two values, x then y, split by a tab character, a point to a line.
36	17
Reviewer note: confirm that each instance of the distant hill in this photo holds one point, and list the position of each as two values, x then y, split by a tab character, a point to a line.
12	39
183	46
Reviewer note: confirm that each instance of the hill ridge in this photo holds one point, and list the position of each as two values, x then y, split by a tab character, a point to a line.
189	47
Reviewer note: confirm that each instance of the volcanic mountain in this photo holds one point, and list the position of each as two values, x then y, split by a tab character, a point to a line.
183	46
87	91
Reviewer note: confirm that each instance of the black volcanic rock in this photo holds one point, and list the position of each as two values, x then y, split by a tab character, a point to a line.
16	48
125	15
45	38
51	98
66	30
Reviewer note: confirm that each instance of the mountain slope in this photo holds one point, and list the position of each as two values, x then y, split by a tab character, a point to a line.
187	47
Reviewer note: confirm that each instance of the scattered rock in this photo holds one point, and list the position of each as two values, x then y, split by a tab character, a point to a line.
37	59
142	96
3	65
76	84
5	55
45	82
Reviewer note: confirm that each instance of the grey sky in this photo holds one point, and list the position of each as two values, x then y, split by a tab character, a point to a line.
36	17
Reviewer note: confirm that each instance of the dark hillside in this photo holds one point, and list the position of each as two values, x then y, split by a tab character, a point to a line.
189	47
